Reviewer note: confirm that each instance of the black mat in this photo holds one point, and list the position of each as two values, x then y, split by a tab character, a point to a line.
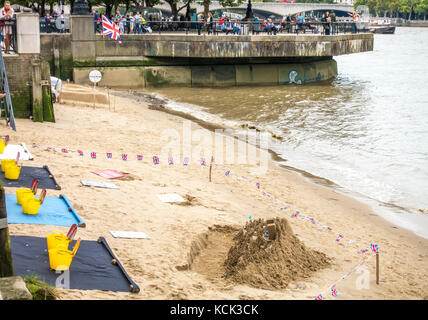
28	174
91	268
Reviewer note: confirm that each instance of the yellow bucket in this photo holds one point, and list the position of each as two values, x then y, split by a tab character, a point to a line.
22	193
12	172
30	205
57	238
5	163
60	257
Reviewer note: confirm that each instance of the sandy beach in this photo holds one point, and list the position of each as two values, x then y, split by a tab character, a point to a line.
157	265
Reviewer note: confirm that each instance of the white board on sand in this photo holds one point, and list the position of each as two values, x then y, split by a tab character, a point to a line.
11	152
170	197
99	184
129	234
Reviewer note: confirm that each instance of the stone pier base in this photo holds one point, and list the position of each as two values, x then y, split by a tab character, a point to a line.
210	75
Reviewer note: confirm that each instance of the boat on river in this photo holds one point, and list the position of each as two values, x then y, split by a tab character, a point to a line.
382	26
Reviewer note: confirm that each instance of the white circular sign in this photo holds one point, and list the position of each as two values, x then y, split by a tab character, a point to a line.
95	76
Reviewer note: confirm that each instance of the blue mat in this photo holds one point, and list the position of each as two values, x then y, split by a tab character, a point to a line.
55	211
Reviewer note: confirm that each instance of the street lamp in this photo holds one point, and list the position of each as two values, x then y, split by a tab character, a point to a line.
80	7
249	15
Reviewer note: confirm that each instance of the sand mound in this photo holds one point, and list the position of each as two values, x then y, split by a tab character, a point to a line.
272	260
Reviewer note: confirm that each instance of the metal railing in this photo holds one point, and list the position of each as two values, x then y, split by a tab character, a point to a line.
55	26
243	28
8	35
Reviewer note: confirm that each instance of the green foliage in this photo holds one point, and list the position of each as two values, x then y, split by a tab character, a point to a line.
396	8
38	289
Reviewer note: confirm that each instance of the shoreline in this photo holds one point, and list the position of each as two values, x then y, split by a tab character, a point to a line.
374	204
152	263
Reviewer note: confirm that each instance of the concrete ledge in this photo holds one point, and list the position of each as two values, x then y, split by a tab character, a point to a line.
251	46
14	288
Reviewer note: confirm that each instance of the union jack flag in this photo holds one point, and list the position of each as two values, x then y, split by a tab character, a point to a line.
64	150
186	161
258	185
227	173
319	297
155	160
93	155
80	152
334	291
339	238
139	157
124	157
374	248
170	161
285	208
363	250
110	29
109	155
203	162
295	214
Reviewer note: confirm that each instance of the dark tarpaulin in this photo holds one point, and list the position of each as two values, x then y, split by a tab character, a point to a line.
91	268
28	174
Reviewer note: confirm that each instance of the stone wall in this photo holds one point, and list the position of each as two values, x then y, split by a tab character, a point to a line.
19	76
56	49
221	46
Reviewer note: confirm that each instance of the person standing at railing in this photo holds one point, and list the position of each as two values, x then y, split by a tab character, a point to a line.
325	24
333	23
6	13
355	17
96	18
199	20
137	23
210	23
236	27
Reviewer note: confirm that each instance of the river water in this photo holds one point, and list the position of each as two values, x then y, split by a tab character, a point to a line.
366	131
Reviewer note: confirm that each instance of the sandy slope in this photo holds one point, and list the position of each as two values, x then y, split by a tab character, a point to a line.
135	129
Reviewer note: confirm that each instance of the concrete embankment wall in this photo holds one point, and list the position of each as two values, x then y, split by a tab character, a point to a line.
211	75
191	60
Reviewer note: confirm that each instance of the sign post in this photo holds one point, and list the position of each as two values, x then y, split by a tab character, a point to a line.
95	77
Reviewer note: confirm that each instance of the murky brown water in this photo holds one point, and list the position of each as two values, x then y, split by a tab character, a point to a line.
367	130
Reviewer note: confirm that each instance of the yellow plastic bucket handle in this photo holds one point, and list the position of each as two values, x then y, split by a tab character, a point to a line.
76	246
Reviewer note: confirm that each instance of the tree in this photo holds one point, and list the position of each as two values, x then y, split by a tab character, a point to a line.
175	9
421	8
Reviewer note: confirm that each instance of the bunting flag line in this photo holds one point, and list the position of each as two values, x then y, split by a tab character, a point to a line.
333	288
334	291
374	247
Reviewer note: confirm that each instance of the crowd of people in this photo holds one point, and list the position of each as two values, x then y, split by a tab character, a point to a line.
128	23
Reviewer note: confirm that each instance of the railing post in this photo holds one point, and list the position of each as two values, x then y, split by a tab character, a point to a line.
28	33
